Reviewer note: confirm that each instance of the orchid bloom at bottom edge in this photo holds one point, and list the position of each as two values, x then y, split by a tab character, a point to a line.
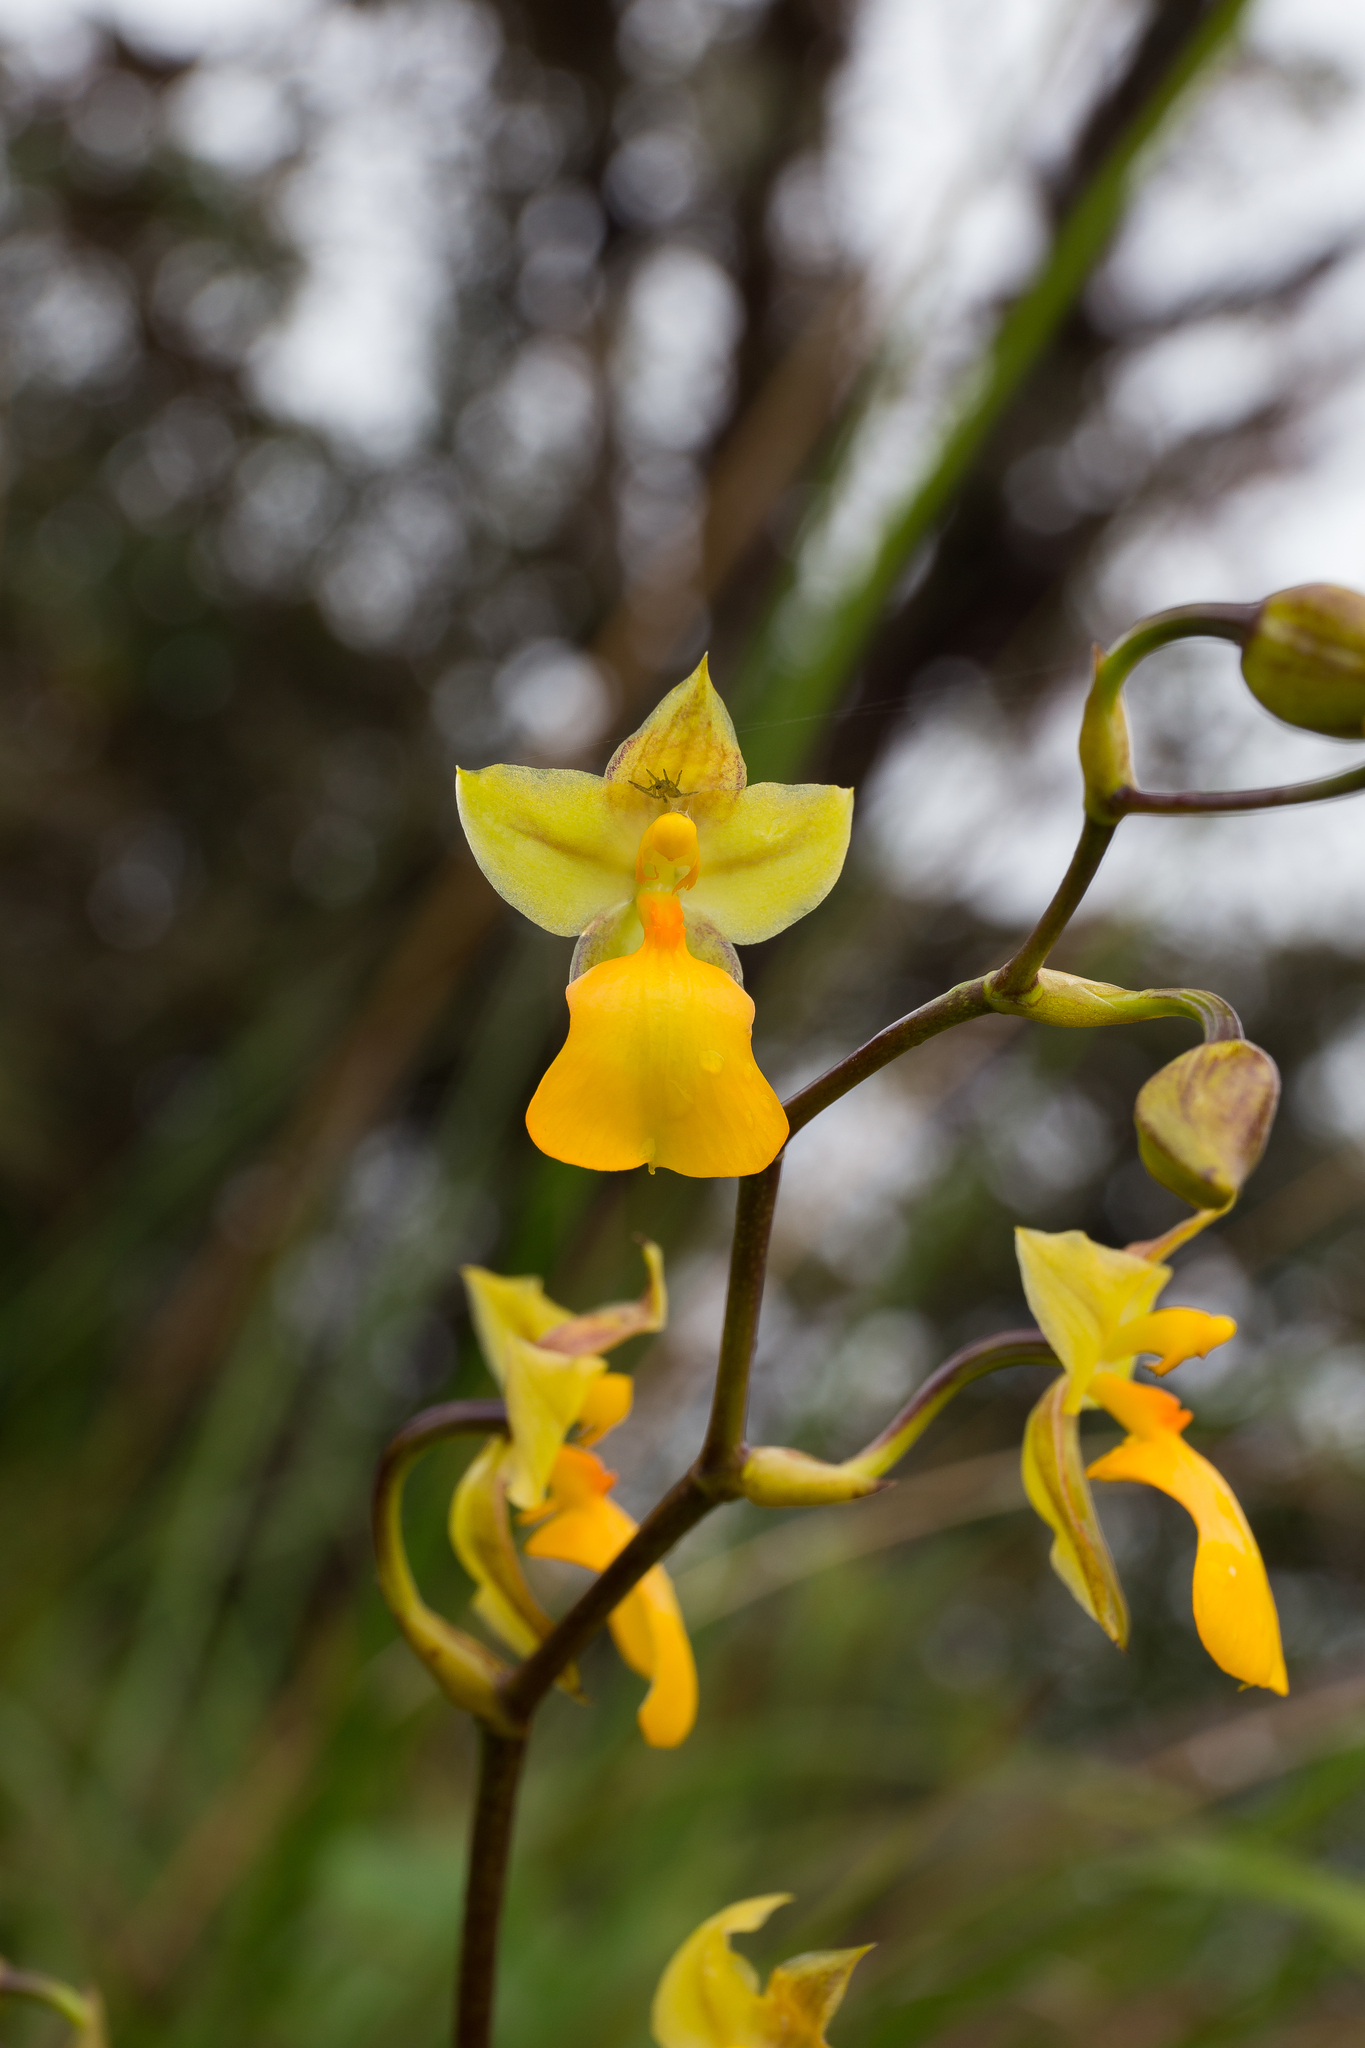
584	1527
708	1997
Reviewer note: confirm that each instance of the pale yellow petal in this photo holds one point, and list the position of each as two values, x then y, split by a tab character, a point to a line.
482	1540
559	845
1055	1483
506	1308
687	744
769	856
1080	1292
708	1996
544	1392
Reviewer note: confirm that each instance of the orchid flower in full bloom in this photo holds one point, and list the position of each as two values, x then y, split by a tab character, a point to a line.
555	1381
660	868
708	1997
1094	1306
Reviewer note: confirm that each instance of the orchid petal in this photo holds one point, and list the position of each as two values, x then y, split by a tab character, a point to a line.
604	1328
586	1528
769	856
1056	1486
686	745
658	1068
708	1997
556	843
1234	1608
1080	1292
1174	1334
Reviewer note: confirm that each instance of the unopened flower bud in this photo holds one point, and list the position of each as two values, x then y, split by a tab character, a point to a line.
1203	1121
773	1477
1305	659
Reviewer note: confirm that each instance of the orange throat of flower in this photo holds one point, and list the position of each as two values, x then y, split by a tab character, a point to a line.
658	1069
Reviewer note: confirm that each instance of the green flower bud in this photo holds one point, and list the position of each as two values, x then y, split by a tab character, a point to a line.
1203	1121
1305	659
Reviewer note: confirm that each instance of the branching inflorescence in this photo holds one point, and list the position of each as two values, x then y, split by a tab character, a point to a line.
659	869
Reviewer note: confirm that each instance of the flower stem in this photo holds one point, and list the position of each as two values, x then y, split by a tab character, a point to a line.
754	1205
1187	803
1021	971
956	1006
500	1761
973	1362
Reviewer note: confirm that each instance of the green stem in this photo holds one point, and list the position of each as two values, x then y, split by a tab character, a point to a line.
80	2009
754	1205
956	1006
973	1362
500	1762
1235	622
1198	802
1021	971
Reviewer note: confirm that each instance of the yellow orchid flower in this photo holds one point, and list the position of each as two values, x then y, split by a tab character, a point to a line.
658	1068
708	1997
1234	1608
584	1527
548	1364
1094	1306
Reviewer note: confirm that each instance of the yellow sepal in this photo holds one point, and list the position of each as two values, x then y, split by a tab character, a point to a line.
708	1997
1055	1482
1094	1306
686	745
481	1536
556	843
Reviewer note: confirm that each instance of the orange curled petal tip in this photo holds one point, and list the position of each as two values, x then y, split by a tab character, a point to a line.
1234	1608
585	1527
658	1069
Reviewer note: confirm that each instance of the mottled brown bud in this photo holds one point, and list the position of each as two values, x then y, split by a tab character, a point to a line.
1305	659
1203	1121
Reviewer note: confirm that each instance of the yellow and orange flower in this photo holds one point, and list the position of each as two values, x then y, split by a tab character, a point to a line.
658	1068
554	1379
1094	1306
708	1997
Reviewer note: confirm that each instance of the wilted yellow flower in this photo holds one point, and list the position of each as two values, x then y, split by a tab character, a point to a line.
658	1069
1094	1306
547	1361
708	1997
554	1380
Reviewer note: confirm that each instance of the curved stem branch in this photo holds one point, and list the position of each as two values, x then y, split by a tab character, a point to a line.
1021	971
500	1761
957	1006
972	1362
1188	803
